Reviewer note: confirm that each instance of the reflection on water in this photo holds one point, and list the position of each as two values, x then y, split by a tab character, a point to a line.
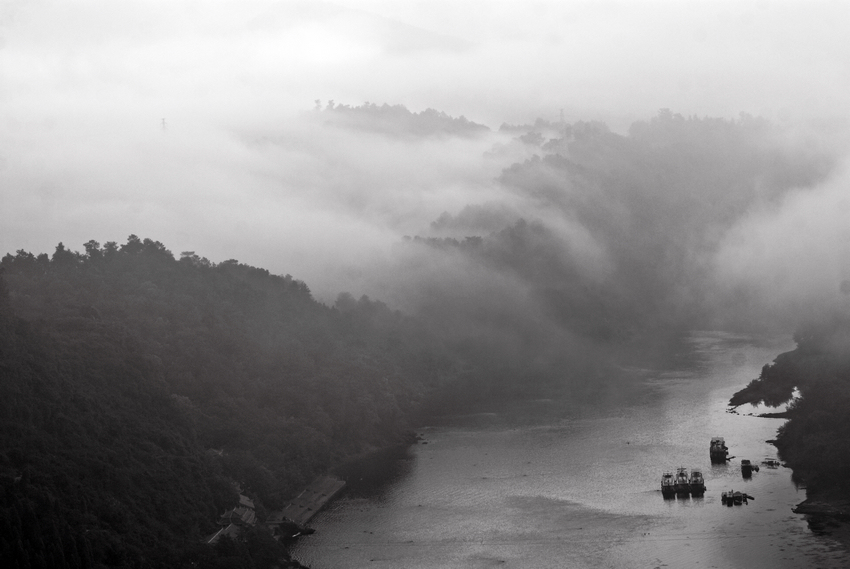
543	485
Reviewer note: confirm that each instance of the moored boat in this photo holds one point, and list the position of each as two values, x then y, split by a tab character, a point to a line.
733	497
696	482
717	450
771	462
682	484
747	468
668	484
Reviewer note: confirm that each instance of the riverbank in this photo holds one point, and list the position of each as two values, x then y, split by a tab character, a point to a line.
813	380
292	520
838	508
367	469
826	512
828	516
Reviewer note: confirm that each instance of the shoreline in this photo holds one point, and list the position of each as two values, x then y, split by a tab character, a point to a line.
298	513
825	513
828	517
838	508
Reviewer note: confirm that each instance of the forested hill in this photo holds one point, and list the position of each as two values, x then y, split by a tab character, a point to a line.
815	441
138	387
397	120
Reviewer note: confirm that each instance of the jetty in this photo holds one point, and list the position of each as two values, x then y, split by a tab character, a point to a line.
306	505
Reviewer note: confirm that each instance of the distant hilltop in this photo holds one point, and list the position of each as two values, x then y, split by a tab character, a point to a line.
399	121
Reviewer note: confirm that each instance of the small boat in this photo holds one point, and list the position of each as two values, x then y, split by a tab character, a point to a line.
747	468
733	497
696	482
668	484
717	450
682	484
771	462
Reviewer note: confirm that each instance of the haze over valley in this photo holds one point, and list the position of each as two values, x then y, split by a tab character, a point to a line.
298	230
243	169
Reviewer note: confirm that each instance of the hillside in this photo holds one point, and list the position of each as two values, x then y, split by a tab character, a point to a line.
137	387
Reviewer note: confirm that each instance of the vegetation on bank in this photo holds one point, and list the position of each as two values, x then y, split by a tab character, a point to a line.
815	441
137	387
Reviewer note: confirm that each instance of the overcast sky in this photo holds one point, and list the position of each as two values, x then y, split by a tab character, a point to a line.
85	86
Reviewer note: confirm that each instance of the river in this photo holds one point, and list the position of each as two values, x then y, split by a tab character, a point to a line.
545	483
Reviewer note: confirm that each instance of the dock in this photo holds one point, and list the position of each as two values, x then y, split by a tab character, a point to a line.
308	503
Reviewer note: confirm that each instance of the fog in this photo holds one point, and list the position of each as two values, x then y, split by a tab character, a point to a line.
195	124
792	260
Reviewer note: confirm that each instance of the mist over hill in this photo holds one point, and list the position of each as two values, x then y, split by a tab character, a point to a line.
584	250
437	259
598	239
397	120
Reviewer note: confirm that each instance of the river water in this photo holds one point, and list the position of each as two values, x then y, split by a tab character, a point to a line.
544	483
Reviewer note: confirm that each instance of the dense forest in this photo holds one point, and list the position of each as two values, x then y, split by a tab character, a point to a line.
815	441
138	387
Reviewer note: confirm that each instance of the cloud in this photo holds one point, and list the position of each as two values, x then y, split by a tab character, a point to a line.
191	123
243	170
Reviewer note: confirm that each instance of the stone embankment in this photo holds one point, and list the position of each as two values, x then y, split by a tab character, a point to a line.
292	520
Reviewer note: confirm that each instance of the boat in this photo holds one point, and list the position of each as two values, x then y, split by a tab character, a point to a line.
682	484
771	462
733	497
747	468
696	482
668	484
718	450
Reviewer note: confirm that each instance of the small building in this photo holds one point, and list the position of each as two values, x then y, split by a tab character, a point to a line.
240	515
233	520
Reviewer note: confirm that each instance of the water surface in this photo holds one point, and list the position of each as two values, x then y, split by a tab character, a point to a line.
546	484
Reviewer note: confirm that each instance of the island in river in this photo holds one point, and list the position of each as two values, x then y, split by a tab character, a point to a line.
814	379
